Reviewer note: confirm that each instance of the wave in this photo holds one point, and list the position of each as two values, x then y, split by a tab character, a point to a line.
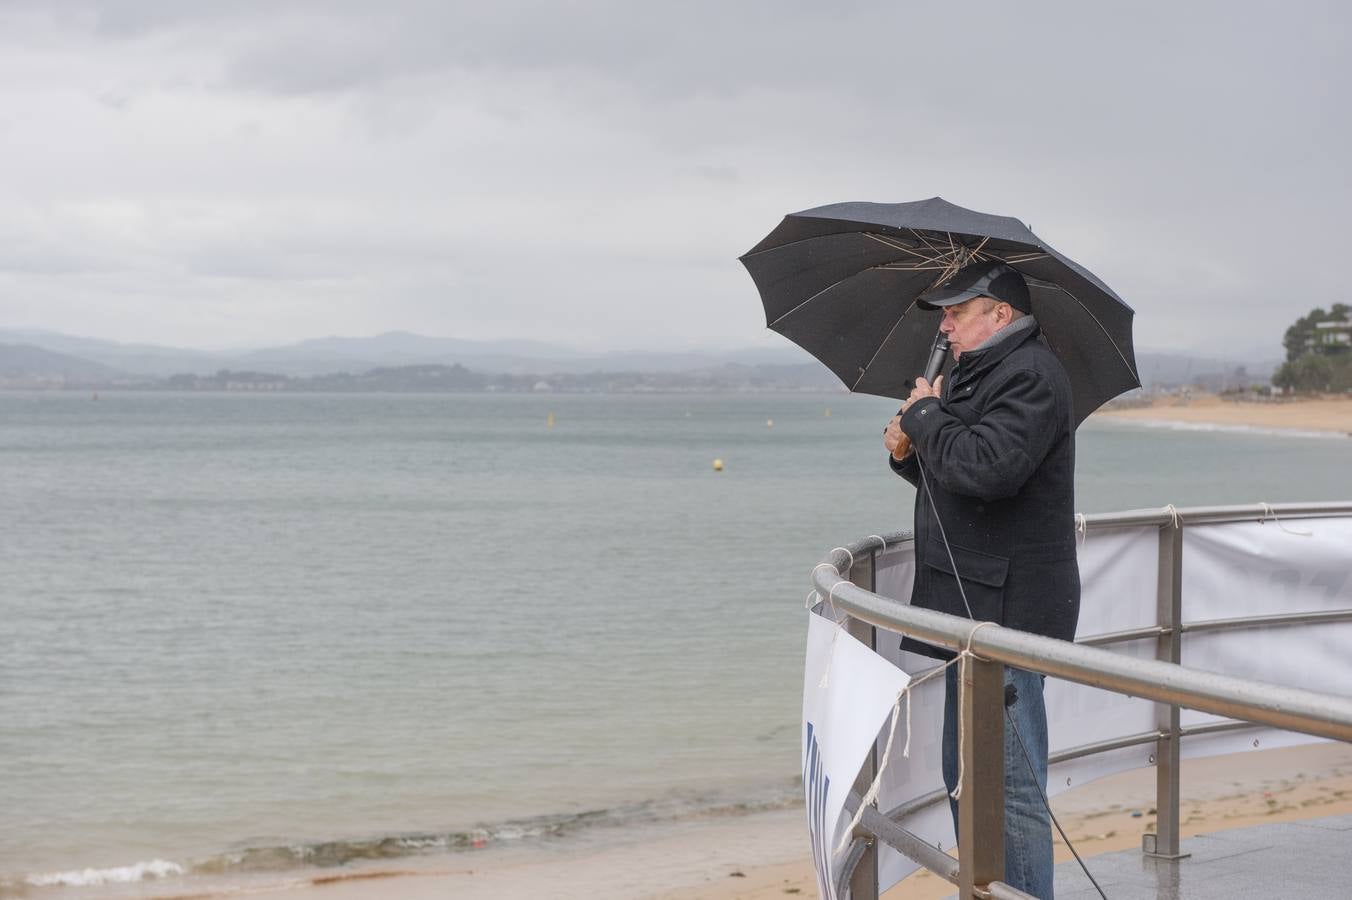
281	856
324	854
141	871
1172	425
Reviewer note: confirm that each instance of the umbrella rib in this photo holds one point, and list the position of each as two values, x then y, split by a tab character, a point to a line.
924	240
889	267
1112	343
815	237
888	337
885	267
886	243
785	315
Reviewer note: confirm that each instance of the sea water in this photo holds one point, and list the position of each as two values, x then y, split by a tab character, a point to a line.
254	632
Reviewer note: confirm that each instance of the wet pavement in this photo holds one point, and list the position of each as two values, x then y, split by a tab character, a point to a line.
1286	861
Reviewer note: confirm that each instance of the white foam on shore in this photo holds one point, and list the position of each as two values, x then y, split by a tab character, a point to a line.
141	871
1173	425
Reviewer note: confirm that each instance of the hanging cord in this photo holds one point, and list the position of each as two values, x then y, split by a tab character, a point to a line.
1269	511
943	534
1028	758
1175	518
1046	803
830	602
965	656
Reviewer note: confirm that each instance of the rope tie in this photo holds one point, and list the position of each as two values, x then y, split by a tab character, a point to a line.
811	602
1269	511
824	565
1081	528
883	548
906	750
835	635
964	656
847	553
1175	519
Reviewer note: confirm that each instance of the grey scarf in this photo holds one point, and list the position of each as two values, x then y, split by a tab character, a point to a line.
1018	326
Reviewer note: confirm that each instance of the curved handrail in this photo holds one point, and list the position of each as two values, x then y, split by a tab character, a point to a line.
1243	701
1287	708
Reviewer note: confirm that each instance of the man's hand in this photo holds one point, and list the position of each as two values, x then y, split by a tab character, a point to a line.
895	440
924	389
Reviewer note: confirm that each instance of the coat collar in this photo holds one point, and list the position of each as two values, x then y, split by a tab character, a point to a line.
977	362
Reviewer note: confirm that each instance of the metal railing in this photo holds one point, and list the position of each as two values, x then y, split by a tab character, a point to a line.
980	865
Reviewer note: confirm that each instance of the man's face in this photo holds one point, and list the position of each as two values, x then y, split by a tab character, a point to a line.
969	323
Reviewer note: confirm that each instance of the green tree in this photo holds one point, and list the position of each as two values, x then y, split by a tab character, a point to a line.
1311	372
1298	337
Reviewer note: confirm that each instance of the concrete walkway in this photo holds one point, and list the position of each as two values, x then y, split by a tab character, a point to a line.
1287	861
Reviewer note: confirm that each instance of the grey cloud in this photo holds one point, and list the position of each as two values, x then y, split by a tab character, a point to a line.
455	163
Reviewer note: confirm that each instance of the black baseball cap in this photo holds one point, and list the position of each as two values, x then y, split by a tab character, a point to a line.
984	279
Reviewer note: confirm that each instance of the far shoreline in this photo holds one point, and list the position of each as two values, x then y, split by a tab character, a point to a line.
1317	416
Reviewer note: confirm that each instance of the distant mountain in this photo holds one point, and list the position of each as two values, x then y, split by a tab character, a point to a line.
403	343
395	348
23	363
333	355
136	359
336	354
324	356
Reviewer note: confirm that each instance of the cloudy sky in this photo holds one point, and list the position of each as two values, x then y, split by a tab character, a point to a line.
586	173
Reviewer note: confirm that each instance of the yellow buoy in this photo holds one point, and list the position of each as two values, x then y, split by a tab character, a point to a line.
718	465
828	412
769	423
549	422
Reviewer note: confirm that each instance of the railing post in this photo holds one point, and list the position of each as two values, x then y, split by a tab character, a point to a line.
981	804
1163	844
864	879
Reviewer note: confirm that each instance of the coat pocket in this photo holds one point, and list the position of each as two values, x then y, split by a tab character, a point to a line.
983	581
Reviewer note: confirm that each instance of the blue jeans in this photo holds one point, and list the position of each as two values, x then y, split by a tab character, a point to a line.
1028	828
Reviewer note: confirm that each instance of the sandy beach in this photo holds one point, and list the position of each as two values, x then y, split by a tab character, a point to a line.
1307	414
764	856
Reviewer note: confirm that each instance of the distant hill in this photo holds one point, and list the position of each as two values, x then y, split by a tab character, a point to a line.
23	363
784	364
134	359
330	355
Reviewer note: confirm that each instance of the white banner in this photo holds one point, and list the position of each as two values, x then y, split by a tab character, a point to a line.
1229	570
848	694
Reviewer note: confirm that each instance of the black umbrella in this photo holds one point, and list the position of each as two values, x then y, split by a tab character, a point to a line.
841	281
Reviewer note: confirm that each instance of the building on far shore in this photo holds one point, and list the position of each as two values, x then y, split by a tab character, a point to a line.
1331	337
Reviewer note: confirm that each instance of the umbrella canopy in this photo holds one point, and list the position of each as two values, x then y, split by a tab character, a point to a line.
841	281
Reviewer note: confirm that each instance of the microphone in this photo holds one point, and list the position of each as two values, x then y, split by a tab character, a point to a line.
936	359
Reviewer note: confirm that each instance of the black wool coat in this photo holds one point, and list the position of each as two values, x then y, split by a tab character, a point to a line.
998	453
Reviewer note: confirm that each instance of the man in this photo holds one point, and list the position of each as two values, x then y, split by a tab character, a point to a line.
992	455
